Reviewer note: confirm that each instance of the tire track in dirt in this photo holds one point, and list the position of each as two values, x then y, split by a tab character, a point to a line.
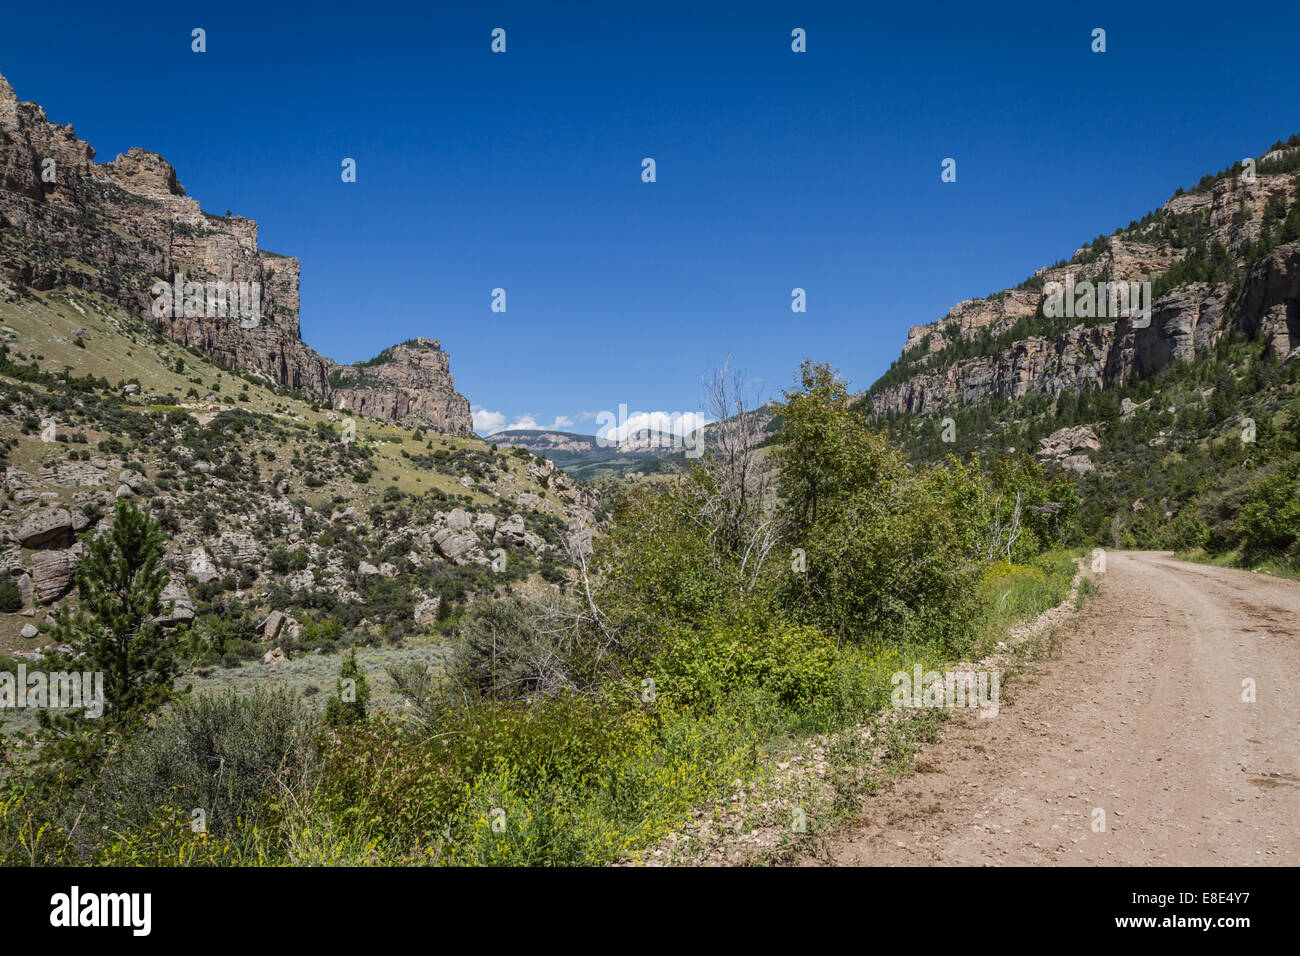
1140	716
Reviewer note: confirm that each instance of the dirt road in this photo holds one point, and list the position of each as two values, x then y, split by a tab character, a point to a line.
1141	717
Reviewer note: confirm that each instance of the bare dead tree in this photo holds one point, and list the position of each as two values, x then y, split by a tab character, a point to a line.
578	545
572	623
735	501
1013	532
1003	533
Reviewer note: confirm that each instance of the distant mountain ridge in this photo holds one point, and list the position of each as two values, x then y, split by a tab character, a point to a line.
546	442
117	229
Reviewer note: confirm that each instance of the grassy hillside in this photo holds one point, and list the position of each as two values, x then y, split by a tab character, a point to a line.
214	453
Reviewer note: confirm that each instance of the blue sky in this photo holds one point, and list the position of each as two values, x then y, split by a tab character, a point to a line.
775	170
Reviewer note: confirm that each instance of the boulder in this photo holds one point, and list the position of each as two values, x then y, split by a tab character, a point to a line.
1127	407
510	531
52	574
132	479
565	487
45	525
1067	446
426	612
459	547
458	519
579	542
274	656
201	566
177	606
539	471
29	630
272	625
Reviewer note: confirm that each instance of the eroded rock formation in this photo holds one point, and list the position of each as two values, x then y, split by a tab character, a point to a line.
118	228
1184	322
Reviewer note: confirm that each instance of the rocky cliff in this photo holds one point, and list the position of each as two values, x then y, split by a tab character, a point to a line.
1005	347
410	382
119	229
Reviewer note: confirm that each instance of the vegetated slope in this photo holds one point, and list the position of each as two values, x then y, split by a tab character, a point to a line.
269	505
1182	431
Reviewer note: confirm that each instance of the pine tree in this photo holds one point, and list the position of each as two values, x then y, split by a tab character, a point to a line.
445	601
113	631
347	705
1291	225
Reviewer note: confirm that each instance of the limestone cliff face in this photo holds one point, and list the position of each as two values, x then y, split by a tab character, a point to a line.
1271	301
410	382
117	228
1185	321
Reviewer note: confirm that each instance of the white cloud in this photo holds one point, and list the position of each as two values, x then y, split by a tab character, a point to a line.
654	428
561	423
489	422
485	421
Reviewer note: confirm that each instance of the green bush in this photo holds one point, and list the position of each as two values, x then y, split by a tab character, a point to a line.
500	652
1270	517
409	787
890	553
11	599
228	755
698	666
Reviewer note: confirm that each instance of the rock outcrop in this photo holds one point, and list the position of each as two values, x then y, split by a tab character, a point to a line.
52	573
1271	301
117	229
45	526
410	383
1068	448
1184	322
